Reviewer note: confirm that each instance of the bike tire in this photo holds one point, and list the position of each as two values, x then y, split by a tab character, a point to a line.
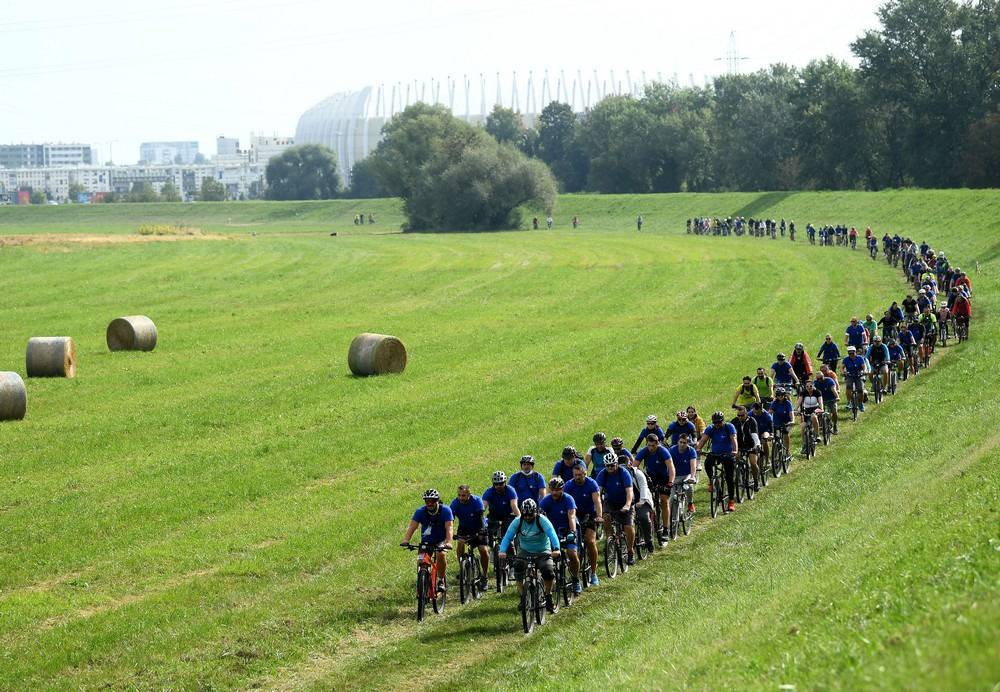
675	518
477	575
747	482
714	500
538	598
439	599
464	582
738	490
527	614
611	557
622	563
422	578
640	541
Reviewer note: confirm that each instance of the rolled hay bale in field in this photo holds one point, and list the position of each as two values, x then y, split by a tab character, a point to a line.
13	396
132	333
376	354
51	356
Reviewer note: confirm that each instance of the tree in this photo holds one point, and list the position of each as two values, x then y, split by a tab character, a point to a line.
142	191
560	146
679	151
38	197
505	125
981	153
364	183
306	171
169	193
616	137
212	190
75	190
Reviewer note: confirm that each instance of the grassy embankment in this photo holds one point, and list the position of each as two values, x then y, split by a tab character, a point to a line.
224	510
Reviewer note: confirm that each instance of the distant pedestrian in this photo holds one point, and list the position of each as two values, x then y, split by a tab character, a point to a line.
576	222
548	223
362	217
357	219
534	223
638	223
371	219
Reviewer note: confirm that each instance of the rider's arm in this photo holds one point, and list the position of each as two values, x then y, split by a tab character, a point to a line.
673	471
701	442
448	532
514	509
735	443
571	518
638	441
628	497
598	509
408	534
551	533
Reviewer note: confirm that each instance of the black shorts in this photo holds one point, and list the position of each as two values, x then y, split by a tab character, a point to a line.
587	521
545	565
472	537
623	517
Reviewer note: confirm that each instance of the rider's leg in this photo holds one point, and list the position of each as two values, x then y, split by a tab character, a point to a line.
754	469
665	511
574	563
484	558
590	535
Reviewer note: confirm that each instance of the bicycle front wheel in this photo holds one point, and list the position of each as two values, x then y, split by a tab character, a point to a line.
527	614
422	579
438	599
716	500
611	557
538	599
464	581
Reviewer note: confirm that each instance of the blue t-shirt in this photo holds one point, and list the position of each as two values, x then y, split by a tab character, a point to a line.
432	525
829	351
499	502
563	471
782	371
597	459
906	339
641	440
826	387
855	365
721	437
657	463
856	335
895	353
583	495
781	412
764	422
917	330
614	485
469	514
526	486
878	353
675	430
558	511
683	461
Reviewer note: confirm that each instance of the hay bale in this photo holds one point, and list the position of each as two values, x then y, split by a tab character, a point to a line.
376	354
13	396
51	356
133	333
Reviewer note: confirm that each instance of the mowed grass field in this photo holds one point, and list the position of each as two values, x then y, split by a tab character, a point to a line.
224	512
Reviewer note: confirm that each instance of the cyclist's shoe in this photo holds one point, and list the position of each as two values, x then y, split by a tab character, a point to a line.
662	537
732	506
630	559
577	587
594	581
861	407
484	583
549	606
441	586
690	508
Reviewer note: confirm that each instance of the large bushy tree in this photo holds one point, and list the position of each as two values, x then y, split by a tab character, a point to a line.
305	171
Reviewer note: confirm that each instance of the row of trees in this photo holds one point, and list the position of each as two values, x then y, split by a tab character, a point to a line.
142	191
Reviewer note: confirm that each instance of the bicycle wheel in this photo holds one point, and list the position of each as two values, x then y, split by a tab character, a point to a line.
464	581
675	517
499	571
422	578
527	612
640	540
877	385
611	557
747	484
622	563
477	577
438	599
565	587
538	599
715	499
777	451
738	490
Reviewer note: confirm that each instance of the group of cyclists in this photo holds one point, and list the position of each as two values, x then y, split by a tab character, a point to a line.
554	524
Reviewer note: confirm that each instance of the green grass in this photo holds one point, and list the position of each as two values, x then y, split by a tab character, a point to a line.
223	512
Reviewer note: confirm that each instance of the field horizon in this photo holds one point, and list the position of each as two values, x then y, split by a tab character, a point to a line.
224	511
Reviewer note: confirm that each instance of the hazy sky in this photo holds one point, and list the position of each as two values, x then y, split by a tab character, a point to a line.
119	72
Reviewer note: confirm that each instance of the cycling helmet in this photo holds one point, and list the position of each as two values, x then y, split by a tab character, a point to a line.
717	417
528	459
610	459
869	317
876	338
780	391
617	442
432	494
682	414
799	346
599	437
780	356
651	418
852	348
569	452
529	508
556	483
499	477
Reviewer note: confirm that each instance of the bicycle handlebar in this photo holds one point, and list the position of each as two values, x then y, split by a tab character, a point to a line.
425	548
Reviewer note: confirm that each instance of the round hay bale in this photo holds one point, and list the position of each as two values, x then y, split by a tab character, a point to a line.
376	354
13	396
132	333
51	356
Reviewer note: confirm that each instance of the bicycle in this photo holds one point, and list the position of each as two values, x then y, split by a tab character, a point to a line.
645	530
501	570
962	330
716	488
808	436
531	605
893	377
470	571
928	349
615	548
877	386
826	426
680	518
564	584
779	452
744	488
427	579
854	395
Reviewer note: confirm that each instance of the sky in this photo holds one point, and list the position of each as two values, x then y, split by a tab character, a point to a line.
115	73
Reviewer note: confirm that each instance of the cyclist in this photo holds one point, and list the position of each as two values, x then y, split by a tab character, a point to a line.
830	391
651	427
748	438
699	422
801	364
873	247
853	234
829	352
564	467
746	393
501	501
929	322
594	458
878	360
587	495
660	471
618	447
897	357
915	339
686	464
889	323
962	310
616	484
871	329
810	403
765	387
855	334
528	483
681	426
435	523
782	415
469	510
643	506
923	301
855	369
724	450
909	308
560	508
536	539
765	428
896	312
784	375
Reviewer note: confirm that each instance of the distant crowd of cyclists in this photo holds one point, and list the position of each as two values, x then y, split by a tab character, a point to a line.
544	533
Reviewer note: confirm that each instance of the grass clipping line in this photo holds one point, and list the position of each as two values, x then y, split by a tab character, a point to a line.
50	356
132	333
13	396
376	354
